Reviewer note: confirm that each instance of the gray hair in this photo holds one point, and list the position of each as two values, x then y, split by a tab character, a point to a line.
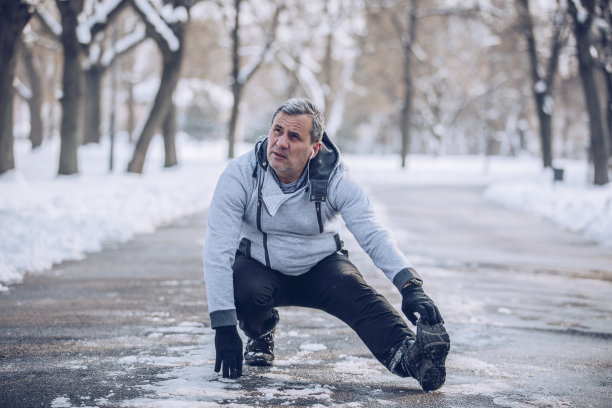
301	106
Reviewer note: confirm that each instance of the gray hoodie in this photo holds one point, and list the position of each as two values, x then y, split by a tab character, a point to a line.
289	233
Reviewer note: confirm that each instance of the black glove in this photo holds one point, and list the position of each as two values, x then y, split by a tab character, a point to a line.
415	300
228	345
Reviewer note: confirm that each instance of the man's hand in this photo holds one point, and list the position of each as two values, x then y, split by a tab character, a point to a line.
229	351
414	300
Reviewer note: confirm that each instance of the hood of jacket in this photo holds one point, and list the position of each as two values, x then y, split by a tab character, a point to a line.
320	168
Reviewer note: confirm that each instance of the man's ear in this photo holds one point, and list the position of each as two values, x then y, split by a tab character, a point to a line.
315	149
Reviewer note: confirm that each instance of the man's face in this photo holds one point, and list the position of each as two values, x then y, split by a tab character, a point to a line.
289	146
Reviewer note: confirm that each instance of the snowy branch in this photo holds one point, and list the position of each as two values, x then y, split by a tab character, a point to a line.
247	72
123	45
582	13
306	78
50	24
89	26
453	11
154	19
22	89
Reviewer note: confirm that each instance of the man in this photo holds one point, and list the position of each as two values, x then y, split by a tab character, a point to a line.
272	239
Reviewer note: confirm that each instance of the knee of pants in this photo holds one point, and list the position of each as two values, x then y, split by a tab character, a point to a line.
251	297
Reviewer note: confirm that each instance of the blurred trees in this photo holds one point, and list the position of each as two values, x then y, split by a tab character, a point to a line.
391	76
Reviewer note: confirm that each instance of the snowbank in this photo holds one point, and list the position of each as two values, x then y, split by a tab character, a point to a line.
46	219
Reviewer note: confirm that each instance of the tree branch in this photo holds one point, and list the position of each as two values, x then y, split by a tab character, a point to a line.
247	72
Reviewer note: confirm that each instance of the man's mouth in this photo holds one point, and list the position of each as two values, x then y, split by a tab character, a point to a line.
278	155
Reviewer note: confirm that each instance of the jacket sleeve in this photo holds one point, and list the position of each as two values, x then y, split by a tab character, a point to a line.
349	198
223	225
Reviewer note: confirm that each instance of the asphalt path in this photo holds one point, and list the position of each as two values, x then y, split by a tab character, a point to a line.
527	305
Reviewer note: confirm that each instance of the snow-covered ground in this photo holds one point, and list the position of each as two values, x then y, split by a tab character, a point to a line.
46	219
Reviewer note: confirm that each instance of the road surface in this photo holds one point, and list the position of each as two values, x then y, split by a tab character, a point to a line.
527	305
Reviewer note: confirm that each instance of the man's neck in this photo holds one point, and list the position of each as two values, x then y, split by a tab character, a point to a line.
287	179
292	186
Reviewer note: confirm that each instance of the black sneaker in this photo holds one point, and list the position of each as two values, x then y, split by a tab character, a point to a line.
260	351
423	358
428	355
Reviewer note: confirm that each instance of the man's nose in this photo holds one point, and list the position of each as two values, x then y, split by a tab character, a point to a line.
283	140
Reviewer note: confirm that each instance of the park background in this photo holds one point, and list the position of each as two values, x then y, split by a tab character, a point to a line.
117	117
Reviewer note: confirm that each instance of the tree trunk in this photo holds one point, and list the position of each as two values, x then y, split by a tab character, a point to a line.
35	99
131	116
542	85
231	138
236	85
545	131
92	114
71	86
163	100
606	58
608	78
169	133
407	105
586	64
14	15
327	70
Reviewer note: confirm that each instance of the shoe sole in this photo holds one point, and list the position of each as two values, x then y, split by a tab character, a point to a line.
258	359
435	343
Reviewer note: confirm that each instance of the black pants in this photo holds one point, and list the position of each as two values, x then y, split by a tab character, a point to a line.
334	285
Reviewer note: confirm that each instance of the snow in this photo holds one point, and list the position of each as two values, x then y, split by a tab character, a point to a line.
549	105
540	86
582	13
46	219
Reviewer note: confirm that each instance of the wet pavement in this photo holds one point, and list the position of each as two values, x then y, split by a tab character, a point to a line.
528	308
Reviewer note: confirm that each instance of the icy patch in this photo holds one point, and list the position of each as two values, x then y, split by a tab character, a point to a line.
538	402
312	347
316	391
61	402
366	368
191	380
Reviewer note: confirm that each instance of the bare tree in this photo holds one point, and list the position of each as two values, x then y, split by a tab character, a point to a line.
324	77
406	31
14	15
583	13
95	66
71	86
405	22
34	95
543	79
167	29
78	28
242	74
